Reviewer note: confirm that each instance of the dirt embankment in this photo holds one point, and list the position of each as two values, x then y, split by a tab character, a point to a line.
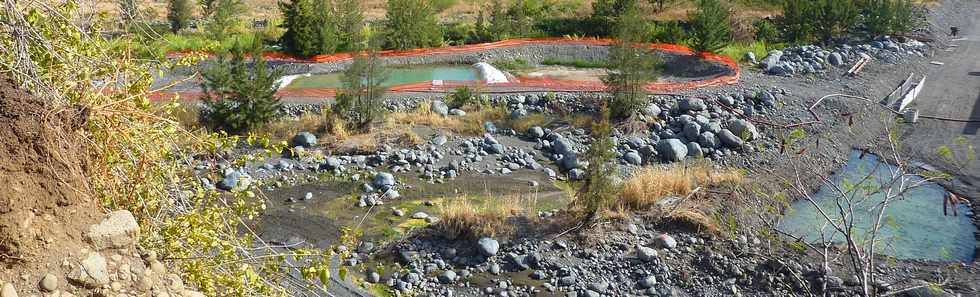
45	200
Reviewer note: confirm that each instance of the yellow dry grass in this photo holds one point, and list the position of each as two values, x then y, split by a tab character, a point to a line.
469	217
327	126
471	124
652	184
534	119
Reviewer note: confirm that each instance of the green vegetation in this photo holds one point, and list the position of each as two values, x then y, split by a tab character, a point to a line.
179	14
359	103
711	27
225	19
319	27
607	13
411	24
238	97
632	67
463	96
575	63
737	51
599	190
511	65
883	17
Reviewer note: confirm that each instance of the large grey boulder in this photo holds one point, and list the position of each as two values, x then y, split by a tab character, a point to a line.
487	246
665	241
535	132
691	104
569	161
729	139
771	60
709	140
92	272
694	150
447	277
744	129
119	230
439	107
646	254
229	181
304	139
633	157
671	150
561	146
835	59
692	130
383	180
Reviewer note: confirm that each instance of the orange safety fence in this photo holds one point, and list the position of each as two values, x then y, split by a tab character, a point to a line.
546	84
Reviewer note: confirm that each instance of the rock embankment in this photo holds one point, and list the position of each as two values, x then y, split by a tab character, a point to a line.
111	265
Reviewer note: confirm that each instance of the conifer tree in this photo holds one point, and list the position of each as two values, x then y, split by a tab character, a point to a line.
239	90
632	66
361	99
711	28
411	24
599	189
179	14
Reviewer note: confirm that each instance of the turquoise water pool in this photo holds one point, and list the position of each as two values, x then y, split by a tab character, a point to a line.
914	226
396	76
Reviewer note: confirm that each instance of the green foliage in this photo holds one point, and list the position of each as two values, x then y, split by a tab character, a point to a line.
631	65
512	65
599	189
668	32
882	17
312	30
577	63
607	13
737	51
711	27
463	96
225	19
661	3
239	91
765	31
179	14
411	24
796	22
833	18
359	103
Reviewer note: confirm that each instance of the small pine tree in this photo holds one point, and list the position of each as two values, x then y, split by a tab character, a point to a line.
599	189
310	27
833	18
795	23
711	28
608	12
350	26
239	90
224	18
883	17
765	31
179	14
411	24
632	66
359	103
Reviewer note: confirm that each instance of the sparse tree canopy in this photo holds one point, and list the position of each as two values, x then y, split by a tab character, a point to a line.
632	66
360	100
310	29
179	14
239	90
225	18
599	189
411	24
711	28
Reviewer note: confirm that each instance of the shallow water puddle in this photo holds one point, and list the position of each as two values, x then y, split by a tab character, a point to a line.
913	227
396	76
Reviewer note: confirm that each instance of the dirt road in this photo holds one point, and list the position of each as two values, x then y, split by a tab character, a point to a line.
951	90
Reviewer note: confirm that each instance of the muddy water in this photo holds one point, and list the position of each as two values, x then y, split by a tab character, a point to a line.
319	221
914	226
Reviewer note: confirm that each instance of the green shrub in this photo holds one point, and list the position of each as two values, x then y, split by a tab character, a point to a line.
765	31
178	14
882	17
711	27
359	102
442	5
463	96
633	66
512	65
834	18
796	23
599	189
668	32
575	63
411	24
239	91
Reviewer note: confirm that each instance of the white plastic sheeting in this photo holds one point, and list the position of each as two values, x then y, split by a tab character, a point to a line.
490	74
286	80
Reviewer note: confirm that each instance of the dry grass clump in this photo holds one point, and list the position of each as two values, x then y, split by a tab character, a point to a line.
468	217
324	124
534	119
471	124
651	184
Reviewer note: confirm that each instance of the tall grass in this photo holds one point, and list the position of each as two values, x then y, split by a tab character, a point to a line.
471	124
737	51
474	217
651	184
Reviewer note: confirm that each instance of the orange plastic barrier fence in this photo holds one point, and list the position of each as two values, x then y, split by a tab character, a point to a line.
531	83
